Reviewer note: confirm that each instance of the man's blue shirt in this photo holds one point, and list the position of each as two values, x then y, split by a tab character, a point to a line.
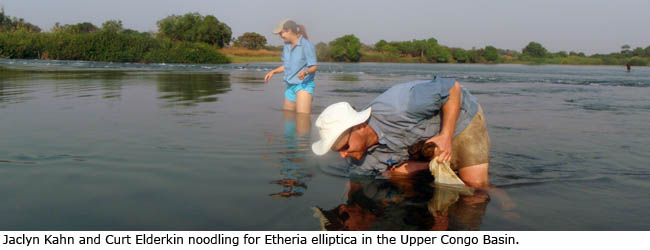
407	113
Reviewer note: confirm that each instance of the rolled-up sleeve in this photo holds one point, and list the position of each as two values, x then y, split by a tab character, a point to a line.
426	99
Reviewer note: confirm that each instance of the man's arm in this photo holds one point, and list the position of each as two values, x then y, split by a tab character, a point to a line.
450	111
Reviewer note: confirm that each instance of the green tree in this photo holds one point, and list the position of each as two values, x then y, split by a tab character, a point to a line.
322	51
12	24
391	51
346	49
473	56
460	55
432	42
647	51
112	26
491	53
194	27
638	51
636	61
251	40
534	49
439	54
379	46
625	50
419	48
78	28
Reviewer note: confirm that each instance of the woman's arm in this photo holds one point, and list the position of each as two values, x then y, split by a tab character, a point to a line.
270	74
309	51
310	70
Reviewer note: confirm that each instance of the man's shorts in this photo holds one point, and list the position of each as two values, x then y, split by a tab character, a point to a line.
292	90
472	146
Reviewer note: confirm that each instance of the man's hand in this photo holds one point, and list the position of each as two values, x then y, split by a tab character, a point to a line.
443	149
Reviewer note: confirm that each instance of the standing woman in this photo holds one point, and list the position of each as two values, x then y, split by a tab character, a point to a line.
299	66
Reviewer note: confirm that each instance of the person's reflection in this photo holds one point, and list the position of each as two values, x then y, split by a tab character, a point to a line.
297	128
404	204
462	207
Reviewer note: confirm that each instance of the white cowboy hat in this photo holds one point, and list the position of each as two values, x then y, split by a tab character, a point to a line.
334	120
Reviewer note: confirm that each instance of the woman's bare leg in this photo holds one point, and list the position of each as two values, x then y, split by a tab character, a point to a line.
289	105
303	102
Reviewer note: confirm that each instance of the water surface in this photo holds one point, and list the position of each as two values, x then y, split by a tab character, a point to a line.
102	146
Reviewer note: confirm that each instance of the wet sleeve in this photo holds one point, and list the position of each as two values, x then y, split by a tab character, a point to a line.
376	162
310	54
426	99
368	165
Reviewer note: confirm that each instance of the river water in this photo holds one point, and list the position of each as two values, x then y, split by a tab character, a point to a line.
104	146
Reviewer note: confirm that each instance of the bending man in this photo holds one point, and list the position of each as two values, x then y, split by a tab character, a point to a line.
376	140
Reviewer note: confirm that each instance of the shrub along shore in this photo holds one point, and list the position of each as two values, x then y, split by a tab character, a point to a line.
193	38
106	46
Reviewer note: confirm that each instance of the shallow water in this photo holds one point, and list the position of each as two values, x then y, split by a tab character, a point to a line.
102	146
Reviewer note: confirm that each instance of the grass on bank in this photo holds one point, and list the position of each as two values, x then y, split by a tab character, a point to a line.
244	55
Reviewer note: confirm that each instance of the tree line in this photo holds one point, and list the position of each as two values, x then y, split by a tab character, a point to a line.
190	38
193	38
348	48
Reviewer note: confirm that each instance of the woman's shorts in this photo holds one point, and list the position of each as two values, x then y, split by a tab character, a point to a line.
292	90
472	146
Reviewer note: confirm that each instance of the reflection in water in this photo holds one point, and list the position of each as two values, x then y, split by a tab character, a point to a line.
13	93
191	89
345	78
248	78
17	84
82	83
294	174
404	204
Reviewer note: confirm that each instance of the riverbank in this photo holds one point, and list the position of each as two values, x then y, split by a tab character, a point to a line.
243	55
106	46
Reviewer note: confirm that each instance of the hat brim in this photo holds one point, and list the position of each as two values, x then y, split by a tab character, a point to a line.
323	145
280	26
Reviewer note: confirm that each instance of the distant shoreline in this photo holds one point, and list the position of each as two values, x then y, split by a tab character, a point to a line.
243	55
260	59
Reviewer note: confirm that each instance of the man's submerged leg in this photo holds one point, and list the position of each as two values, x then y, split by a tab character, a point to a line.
475	176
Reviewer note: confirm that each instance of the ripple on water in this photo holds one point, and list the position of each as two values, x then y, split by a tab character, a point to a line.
360	90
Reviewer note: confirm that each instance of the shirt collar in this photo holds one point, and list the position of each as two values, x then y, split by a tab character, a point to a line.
299	43
373	125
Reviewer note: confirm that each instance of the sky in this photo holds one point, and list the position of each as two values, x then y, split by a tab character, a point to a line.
590	26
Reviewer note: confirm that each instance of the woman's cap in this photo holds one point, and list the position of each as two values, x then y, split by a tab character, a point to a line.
280	26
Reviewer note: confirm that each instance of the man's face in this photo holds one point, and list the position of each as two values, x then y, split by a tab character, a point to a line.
351	144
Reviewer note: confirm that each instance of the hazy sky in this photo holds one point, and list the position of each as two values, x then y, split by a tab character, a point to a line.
591	26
